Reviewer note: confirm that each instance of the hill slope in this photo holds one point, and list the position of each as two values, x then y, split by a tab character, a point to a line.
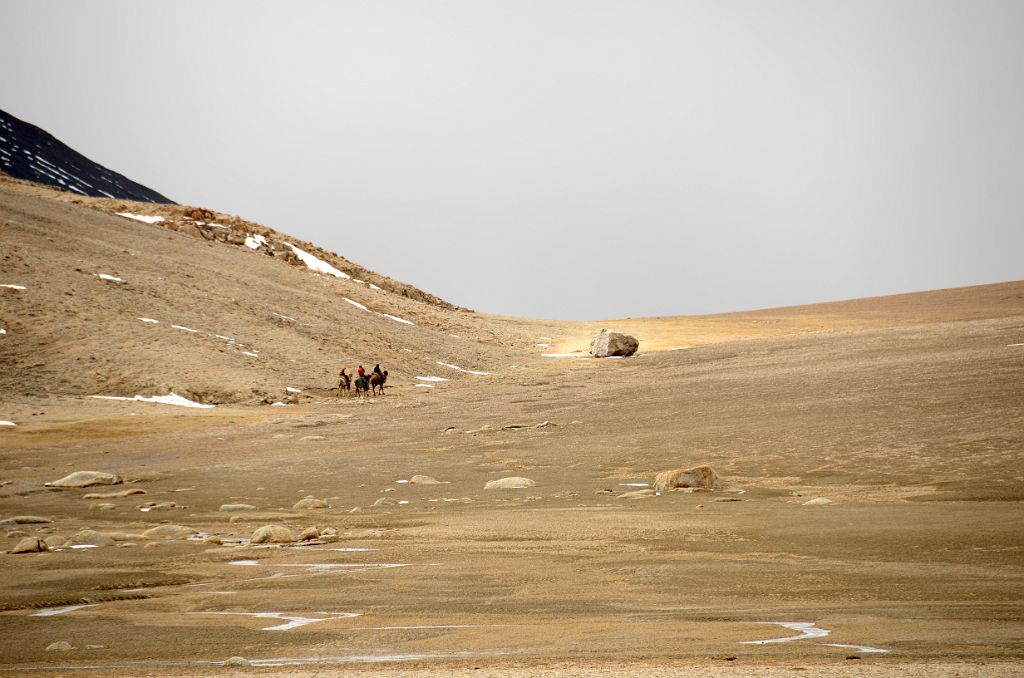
28	152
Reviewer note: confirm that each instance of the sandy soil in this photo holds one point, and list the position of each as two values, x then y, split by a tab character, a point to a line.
906	412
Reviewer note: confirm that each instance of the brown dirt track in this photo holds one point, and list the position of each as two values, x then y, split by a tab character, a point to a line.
907	412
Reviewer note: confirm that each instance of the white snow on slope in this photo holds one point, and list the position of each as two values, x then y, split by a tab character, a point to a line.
149	320
356	304
318	265
142	217
187	329
397	319
462	369
107	276
806	629
7	423
172	399
254	241
2	331
292	389
431	378
15	287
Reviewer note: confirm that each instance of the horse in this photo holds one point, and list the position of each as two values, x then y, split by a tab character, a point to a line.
362	385
344	383
378	381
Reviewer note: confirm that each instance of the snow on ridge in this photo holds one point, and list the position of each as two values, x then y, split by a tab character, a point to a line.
462	369
171	399
356	304
253	241
142	217
315	264
397	319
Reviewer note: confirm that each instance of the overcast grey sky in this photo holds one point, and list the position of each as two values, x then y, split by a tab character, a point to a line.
566	159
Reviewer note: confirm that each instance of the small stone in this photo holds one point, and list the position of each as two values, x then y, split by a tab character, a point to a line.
103	507
698	476
724	499
700	505
60	646
385	501
328	532
424	480
237	662
309	534
818	501
310	502
55	541
214	539
237	507
638	494
95	647
357	509
25	520
114	495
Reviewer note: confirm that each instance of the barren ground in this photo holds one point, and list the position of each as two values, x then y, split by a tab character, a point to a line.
906	412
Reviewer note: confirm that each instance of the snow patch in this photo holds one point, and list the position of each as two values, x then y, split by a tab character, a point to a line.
7	423
292	389
251	354
172	399
563	355
15	287
142	217
107	276
53	611
462	369
356	304
397	319
279	404
431	378
806	629
186	329
254	241
860	648
149	320
317	264
424	386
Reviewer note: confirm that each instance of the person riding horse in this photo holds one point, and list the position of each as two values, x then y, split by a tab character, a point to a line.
344	381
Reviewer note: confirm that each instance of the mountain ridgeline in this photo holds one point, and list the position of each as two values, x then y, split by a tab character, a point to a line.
27	152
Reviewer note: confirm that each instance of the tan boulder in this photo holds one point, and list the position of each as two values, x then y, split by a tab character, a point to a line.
424	480
237	507
114	495
272	534
25	520
87	479
310	502
90	538
55	541
510	483
169	532
309	534
30	545
638	494
60	646
703	477
385	501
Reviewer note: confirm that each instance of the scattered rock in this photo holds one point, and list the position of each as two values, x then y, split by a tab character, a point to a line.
90	538
214	539
608	343
30	545
310	502
237	507
103	507
309	534
15	534
272	534
114	495
158	506
169	532
510	483
699	476
87	479
723	499
263	517
25	520
818	501
55	541
544	424
424	480
95	647
328	532
605	491
385	501
638	494
237	662
60	646
357	509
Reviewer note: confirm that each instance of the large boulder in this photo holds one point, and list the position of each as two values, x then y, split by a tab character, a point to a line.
608	343
272	534
87	479
424	480
25	520
511	483
703	477
310	502
30	545
169	532
90	538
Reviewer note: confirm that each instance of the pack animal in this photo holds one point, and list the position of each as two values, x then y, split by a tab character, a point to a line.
362	385
377	381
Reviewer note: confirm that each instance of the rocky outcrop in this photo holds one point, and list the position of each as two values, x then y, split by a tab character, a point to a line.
703	477
510	483
310	502
87	479
608	343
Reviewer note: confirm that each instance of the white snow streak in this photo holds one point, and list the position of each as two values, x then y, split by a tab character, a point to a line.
15	287
431	378
187	329
462	369
317	264
141	217
107	276
397	319
172	399
292	389
806	629
149	320
356	304
7	423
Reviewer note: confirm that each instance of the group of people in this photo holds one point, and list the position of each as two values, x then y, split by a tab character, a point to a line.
375	379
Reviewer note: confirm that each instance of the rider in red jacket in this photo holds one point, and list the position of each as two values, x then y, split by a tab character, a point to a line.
361	372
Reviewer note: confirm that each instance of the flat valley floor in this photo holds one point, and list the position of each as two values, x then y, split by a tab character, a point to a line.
914	432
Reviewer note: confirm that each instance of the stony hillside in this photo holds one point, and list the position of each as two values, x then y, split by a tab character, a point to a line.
109	297
28	152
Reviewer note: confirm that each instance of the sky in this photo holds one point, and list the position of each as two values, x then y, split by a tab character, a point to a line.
565	159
